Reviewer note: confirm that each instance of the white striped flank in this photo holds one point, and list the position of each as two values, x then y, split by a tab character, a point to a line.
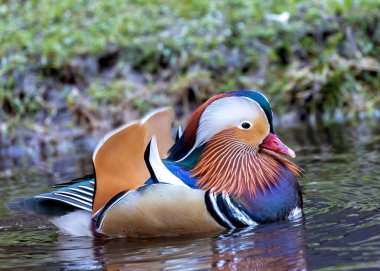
226	212
218	211
241	215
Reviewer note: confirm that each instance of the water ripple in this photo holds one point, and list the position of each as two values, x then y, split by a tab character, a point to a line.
340	229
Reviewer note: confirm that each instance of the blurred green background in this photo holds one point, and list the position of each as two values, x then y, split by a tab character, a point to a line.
73	67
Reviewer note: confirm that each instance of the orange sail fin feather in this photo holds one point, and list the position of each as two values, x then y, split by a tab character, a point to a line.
119	159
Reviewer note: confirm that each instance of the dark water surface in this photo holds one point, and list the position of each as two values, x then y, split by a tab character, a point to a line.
340	229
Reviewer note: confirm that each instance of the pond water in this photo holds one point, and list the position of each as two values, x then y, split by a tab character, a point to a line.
340	229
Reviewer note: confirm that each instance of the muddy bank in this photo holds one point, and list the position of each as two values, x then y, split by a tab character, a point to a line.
69	72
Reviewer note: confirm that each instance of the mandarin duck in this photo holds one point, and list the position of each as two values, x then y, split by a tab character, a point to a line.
225	171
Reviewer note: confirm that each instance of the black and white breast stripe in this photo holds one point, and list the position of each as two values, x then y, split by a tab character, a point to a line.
226	212
78	196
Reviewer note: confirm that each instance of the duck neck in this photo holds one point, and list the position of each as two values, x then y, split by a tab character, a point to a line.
191	160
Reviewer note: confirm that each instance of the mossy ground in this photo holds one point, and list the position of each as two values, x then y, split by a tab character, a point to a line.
92	65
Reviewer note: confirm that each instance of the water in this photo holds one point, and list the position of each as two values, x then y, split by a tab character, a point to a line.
340	229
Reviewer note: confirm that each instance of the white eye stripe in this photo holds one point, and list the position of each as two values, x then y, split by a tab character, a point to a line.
224	113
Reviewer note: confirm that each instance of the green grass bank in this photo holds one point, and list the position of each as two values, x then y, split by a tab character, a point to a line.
91	65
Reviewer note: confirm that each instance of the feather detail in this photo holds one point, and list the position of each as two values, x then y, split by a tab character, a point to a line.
156	210
184	145
75	223
119	157
234	167
158	171
178	134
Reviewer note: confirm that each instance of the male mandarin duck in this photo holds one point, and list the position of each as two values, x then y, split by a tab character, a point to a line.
223	172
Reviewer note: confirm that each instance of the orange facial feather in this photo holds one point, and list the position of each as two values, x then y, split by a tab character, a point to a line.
235	167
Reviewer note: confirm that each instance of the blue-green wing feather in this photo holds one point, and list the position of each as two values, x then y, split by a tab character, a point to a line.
58	202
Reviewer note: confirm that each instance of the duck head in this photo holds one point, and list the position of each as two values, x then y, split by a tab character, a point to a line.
230	145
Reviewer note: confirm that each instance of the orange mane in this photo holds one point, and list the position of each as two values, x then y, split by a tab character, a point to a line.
228	165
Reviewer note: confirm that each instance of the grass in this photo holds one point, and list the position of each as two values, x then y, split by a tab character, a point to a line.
91	61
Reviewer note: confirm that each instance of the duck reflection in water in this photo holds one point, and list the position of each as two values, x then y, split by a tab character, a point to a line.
278	246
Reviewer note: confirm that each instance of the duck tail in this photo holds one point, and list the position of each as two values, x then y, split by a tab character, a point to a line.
77	196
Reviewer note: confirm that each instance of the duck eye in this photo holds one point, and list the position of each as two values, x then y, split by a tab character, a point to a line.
245	125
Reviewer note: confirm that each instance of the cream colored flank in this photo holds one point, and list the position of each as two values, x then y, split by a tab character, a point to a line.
158	210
